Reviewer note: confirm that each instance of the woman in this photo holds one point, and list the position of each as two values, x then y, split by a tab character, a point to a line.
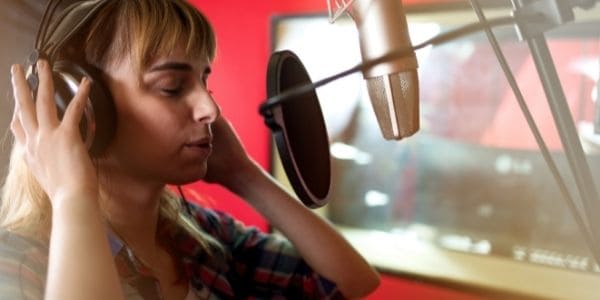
107	228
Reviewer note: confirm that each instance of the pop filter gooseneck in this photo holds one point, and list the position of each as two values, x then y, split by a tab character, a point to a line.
299	131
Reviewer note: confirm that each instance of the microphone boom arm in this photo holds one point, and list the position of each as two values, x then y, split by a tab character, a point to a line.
436	40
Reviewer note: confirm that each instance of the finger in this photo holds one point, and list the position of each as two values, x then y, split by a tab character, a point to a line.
45	105
17	128
23	99
76	107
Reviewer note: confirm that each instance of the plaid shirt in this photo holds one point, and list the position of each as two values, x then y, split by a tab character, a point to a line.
256	266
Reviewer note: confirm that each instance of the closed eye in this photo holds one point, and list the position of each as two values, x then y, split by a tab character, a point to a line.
172	92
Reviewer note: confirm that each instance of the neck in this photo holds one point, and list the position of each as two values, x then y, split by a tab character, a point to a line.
132	209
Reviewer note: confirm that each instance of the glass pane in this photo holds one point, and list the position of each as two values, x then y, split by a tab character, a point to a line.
472	180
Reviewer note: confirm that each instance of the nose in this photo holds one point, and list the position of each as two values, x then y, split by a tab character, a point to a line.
204	107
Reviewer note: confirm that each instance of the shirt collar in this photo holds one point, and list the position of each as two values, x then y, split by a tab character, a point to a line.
115	243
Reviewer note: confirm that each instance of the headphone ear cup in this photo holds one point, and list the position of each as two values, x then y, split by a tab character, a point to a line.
98	123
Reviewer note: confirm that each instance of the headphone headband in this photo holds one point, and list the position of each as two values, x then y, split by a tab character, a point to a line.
99	124
65	26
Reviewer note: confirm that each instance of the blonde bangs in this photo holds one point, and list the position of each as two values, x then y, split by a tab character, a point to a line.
150	30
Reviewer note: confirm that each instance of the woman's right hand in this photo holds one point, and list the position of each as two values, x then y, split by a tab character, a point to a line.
53	149
59	160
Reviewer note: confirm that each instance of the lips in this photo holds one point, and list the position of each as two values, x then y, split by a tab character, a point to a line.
201	143
199	148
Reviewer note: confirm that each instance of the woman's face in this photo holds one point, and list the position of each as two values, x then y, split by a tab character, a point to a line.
163	132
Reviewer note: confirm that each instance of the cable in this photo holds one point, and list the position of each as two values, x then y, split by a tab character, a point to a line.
186	205
436	40
574	206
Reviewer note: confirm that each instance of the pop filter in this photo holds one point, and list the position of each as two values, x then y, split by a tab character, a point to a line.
298	129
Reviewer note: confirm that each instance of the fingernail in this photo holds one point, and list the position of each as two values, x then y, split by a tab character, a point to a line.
86	81
41	64
13	69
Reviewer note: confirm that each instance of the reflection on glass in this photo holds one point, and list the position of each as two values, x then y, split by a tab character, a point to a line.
472	179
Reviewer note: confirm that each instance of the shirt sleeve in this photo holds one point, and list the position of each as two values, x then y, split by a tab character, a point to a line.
265	265
22	269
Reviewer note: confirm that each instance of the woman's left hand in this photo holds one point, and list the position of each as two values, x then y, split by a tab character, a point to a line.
229	165
319	244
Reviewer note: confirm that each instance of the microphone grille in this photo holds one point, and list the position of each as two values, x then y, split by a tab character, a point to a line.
395	100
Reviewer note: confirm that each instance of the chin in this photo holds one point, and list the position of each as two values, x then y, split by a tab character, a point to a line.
187	176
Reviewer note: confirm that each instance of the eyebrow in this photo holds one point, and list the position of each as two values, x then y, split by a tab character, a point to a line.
176	66
171	66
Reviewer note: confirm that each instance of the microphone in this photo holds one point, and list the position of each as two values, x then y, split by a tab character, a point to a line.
393	86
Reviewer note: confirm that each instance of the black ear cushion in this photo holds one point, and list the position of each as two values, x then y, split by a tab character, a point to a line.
99	121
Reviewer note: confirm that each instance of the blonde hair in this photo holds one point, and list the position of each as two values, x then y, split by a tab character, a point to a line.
133	28
143	30
25	207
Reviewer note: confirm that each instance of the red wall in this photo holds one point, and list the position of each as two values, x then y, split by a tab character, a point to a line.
239	84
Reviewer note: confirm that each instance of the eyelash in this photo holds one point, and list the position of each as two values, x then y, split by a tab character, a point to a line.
176	92
172	92
179	89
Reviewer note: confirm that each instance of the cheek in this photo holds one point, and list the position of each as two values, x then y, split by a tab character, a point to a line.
147	127
148	131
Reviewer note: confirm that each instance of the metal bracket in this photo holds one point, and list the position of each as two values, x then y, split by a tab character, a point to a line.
540	16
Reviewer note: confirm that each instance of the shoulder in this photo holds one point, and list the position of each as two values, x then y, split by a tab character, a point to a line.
15	248
242	240
228	230
213	221
23	264
15	241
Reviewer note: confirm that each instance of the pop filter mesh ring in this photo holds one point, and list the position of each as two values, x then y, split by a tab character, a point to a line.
299	130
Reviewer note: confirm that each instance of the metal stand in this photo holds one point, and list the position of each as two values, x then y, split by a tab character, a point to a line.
556	13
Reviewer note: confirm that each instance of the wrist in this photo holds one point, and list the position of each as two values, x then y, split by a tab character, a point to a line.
75	203
245	179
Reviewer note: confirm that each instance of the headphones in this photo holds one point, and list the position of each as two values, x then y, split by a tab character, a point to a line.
99	121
